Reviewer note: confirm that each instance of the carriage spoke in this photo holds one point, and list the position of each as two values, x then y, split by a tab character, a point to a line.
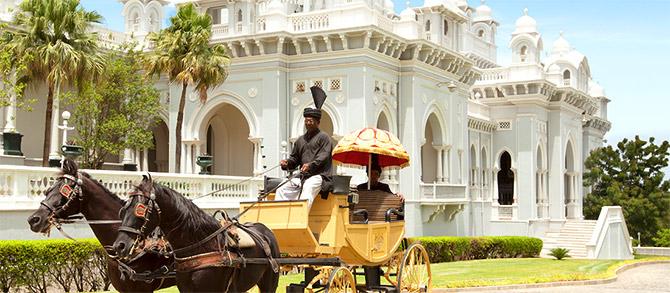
414	270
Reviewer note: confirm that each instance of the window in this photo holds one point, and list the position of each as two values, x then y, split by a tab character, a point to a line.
566	77
445	27
239	15
480	33
317	83
300	87
427	25
335	84
523	52
215	14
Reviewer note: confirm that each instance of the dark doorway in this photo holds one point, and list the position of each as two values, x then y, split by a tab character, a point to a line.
505	180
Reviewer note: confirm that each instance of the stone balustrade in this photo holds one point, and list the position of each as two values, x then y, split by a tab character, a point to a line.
443	192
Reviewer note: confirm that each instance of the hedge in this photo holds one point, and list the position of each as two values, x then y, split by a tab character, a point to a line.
451	248
39	265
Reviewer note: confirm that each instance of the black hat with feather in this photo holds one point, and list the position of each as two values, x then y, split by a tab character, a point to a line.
319	97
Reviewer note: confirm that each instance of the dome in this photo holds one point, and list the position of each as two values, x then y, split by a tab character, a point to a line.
554	69
525	24
595	89
561	46
483	12
388	6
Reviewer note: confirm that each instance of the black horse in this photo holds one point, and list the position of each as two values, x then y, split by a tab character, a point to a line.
76	192
207	259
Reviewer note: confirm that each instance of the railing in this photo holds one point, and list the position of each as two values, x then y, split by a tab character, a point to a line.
108	38
610	239
384	23
495	74
309	21
23	187
442	192
219	29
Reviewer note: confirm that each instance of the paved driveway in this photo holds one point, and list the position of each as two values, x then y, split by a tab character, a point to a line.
645	278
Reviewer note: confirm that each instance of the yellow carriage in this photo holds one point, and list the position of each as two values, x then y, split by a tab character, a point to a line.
347	231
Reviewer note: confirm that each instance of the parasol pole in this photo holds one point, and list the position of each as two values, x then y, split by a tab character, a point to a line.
369	169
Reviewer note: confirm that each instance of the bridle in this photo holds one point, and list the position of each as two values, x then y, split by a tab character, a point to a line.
70	193
142	211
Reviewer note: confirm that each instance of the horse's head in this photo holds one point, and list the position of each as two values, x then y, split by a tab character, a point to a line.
139	217
63	199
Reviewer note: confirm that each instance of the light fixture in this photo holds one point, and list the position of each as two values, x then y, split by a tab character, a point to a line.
451	85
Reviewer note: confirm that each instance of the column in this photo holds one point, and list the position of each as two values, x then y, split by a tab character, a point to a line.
258	155
127	157
188	157
198	145
145	160
440	177
136	159
55	114
445	163
10	114
306	5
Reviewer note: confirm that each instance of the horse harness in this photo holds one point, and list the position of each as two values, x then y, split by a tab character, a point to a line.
221	258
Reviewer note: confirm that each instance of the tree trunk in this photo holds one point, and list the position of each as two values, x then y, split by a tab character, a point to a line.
47	126
180	120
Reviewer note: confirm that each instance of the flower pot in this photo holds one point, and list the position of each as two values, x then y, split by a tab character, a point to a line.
204	161
72	151
12	143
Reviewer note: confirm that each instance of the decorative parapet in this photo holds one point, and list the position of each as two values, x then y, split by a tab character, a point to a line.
597	123
575	98
481	125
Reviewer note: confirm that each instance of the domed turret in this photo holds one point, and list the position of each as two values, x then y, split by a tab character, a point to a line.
388	6
525	24
561	46
483	12
596	90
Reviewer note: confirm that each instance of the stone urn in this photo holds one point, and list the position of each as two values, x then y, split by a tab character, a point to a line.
204	161
72	152
12	143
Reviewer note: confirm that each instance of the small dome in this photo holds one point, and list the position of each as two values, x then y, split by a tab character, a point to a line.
554	69
388	6
595	89
561	46
525	24
483	12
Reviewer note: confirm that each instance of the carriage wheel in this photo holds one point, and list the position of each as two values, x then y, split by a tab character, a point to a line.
341	280
414	270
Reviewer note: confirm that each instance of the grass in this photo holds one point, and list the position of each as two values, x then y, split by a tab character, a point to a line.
495	272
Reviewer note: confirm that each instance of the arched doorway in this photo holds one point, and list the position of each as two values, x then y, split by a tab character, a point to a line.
159	154
432	170
228	142
569	180
505	180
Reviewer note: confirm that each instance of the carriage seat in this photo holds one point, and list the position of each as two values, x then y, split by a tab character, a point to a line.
376	205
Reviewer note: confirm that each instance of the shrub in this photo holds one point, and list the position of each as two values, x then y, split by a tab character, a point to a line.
452	248
559	253
37	264
662	238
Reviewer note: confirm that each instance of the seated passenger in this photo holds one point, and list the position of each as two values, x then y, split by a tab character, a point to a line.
375	184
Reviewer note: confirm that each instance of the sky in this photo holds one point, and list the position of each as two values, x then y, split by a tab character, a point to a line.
627	43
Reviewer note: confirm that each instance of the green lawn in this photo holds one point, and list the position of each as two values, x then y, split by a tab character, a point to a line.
491	272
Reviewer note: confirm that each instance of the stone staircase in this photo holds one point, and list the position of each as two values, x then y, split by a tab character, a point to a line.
573	235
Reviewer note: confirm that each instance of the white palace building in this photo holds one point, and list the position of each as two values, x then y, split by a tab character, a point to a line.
496	150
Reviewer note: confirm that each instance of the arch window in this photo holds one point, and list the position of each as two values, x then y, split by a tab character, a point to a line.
566	77
427	28
483	167
239	15
445	25
480	33
523	53
505	180
473	166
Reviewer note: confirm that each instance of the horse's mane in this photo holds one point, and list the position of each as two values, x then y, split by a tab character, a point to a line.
191	219
70	168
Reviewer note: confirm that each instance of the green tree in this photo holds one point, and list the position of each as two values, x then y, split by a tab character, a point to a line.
116	113
12	90
630	176
182	52
57	33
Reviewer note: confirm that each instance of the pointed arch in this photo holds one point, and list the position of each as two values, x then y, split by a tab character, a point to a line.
473	165
434	114
483	166
385	112
506	179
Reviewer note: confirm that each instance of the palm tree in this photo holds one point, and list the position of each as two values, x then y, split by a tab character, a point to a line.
182	51
55	33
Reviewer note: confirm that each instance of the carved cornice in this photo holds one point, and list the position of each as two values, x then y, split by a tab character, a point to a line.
597	123
481	125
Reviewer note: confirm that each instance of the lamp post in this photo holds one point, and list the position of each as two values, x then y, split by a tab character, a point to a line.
69	151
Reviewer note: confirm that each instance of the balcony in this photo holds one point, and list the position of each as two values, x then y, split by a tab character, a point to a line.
442	193
22	188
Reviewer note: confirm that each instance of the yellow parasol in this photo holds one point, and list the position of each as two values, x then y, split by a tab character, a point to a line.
359	146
